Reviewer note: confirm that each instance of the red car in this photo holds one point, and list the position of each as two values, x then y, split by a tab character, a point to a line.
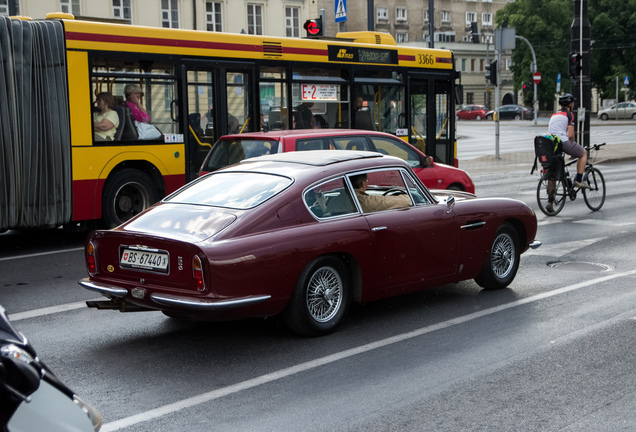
472	112
232	149
290	234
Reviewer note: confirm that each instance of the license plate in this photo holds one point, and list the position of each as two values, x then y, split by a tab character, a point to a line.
139	258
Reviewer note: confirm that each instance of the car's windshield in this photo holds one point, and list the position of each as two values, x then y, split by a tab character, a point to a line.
237	190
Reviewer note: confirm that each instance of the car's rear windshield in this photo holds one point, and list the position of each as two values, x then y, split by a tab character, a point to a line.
236	190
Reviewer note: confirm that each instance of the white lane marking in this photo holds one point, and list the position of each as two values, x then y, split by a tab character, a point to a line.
283	373
603	222
49	310
41	253
560	249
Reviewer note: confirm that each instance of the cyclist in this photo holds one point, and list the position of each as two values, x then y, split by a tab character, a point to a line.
562	125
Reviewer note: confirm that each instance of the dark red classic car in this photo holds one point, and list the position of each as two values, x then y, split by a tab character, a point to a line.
304	234
231	149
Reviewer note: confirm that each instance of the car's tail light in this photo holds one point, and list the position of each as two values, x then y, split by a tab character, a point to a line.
197	273
91	259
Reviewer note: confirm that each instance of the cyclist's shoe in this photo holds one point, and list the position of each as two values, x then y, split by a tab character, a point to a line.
549	208
581	185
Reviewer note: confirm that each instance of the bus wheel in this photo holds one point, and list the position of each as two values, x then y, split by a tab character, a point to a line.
127	193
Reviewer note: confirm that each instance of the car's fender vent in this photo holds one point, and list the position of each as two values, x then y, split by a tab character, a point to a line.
274	49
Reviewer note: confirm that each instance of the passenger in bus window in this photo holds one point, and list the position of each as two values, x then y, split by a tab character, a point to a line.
318	122
133	100
233	124
105	121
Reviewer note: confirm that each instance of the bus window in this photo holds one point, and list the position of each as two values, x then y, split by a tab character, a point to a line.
151	97
200	117
320	98
238	103
379	101
273	98
419	92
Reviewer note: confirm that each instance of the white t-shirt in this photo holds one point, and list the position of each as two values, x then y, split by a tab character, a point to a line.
559	123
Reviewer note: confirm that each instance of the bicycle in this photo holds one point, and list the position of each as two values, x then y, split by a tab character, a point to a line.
556	185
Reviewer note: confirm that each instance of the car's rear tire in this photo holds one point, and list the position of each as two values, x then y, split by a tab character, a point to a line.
321	298
503	260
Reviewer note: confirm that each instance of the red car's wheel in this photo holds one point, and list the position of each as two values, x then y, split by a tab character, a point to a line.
503	260
321	298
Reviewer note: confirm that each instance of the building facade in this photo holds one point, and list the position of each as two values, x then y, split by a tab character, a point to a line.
266	17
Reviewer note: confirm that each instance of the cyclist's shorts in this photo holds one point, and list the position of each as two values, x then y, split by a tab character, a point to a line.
573	149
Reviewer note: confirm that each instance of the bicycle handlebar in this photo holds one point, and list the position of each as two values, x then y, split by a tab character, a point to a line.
595	146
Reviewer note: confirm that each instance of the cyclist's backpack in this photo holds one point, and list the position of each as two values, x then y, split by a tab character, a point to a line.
547	148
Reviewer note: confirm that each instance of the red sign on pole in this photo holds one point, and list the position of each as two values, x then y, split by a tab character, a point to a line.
537	77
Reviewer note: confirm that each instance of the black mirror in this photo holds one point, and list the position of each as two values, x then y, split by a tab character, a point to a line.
18	379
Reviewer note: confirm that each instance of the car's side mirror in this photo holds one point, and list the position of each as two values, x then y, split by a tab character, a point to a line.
428	161
450	203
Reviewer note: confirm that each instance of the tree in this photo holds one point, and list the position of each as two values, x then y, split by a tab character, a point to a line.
546	24
613	44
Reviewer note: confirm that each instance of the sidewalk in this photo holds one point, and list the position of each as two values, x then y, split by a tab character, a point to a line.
523	161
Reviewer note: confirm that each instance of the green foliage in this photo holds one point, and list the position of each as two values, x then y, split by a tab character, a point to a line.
613	44
547	26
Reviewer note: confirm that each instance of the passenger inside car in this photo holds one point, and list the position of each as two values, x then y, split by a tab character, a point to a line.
374	203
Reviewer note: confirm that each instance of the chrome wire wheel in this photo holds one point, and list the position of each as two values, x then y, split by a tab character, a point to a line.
503	255
324	294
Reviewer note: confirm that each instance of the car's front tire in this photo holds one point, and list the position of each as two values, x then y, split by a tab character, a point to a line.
321	298
604	117
503	260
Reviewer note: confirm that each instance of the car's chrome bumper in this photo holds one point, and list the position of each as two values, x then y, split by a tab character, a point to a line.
174	301
535	244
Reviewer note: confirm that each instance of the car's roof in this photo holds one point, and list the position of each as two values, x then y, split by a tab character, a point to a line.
315	157
303	133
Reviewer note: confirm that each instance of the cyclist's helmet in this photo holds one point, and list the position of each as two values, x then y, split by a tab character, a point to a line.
566	99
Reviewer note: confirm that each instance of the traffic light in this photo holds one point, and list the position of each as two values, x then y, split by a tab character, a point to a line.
574	62
314	27
473	32
491	72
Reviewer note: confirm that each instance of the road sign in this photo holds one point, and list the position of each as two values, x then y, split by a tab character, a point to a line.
536	77
341	10
626	81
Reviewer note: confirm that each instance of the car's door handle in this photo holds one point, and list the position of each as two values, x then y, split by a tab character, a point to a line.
379	228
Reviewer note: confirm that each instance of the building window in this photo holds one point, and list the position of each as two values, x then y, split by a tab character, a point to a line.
292	21
169	14
9	7
70	6
463	65
472	65
446	16
213	16
402	37
481	64
486	19
400	14
445	37
121	9
471	17
490	1
382	13
470	98
254	19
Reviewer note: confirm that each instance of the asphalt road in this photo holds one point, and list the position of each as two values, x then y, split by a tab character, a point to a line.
553	352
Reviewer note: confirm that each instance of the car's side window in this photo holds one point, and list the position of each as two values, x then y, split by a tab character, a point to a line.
330	199
416	193
351	143
380	190
312	144
397	148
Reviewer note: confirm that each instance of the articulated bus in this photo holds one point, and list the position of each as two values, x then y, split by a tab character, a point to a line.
195	86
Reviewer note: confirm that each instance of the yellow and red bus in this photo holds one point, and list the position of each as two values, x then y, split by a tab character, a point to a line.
195	86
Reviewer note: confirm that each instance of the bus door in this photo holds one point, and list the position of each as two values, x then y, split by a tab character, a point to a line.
200	129
431	125
379	102
219	102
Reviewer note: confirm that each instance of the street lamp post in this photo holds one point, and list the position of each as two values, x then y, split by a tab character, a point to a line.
533	69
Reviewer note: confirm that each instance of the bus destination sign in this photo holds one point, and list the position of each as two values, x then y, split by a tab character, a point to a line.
362	55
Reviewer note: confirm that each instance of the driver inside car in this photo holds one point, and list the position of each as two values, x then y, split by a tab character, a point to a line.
374	203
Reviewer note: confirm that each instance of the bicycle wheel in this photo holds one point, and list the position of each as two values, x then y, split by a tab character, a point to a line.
551	188
595	196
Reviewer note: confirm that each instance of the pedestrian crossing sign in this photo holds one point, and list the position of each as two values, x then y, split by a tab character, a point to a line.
341	10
